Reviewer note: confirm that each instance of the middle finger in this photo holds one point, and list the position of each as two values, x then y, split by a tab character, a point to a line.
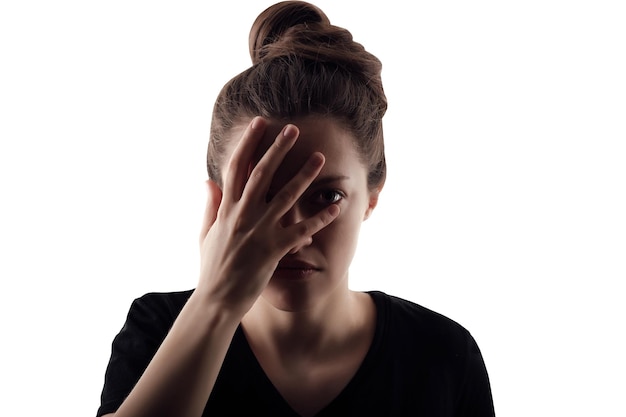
263	173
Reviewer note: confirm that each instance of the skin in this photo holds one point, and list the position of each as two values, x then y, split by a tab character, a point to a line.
309	331
276	244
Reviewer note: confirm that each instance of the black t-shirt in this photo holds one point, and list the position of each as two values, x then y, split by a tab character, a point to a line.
420	363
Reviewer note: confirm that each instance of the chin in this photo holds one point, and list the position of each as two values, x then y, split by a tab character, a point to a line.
293	297
302	295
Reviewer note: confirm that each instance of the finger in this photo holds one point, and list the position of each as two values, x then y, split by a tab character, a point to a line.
238	167
291	192
214	198
262	174
301	234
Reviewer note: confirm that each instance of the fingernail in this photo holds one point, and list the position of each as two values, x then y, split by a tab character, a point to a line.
290	131
333	210
256	122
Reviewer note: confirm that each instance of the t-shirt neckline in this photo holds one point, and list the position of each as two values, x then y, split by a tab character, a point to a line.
375	351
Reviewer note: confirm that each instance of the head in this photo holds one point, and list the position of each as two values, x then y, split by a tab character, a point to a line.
310	73
304	66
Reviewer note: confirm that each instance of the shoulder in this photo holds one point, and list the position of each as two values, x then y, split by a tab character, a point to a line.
415	324
173	301
156	310
432	355
413	314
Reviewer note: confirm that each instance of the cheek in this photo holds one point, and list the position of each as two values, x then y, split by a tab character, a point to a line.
339	239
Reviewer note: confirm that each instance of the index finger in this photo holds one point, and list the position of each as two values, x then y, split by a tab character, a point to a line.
238	167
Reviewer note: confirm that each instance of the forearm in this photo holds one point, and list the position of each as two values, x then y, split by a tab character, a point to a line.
181	376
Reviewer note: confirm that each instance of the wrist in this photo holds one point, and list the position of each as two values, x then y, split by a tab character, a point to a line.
217	310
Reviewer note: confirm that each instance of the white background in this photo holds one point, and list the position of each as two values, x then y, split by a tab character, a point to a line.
504	205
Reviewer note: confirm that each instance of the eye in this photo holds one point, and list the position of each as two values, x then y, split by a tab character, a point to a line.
327	197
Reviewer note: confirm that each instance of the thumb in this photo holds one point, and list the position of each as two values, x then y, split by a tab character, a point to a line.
214	199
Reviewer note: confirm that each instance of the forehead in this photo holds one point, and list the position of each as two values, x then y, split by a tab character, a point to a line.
317	134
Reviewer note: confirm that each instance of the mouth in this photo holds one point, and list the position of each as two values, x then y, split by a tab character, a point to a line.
295	269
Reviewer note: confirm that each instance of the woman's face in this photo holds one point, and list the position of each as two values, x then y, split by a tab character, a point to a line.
320	269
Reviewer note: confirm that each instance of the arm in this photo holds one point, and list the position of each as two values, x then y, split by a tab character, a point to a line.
241	243
180	376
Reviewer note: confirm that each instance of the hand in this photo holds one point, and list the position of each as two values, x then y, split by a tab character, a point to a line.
242	239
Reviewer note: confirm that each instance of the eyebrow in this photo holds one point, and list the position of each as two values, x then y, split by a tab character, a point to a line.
328	179
320	181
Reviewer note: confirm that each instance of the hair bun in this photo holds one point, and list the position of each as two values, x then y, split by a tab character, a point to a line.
272	23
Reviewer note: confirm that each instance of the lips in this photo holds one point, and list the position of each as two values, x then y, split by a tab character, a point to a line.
295	264
295	269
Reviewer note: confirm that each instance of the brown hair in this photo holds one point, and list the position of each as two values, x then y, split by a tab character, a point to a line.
303	65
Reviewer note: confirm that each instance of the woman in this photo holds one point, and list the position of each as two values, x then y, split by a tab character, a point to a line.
296	163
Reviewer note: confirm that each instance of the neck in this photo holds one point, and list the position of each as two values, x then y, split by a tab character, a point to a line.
311	331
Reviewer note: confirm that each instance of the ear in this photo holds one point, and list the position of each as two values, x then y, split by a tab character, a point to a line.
373	202
214	199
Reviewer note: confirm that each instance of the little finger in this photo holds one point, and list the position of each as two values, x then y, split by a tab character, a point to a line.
300	234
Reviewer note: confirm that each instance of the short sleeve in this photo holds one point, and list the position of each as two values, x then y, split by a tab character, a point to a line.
475	395
149	319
